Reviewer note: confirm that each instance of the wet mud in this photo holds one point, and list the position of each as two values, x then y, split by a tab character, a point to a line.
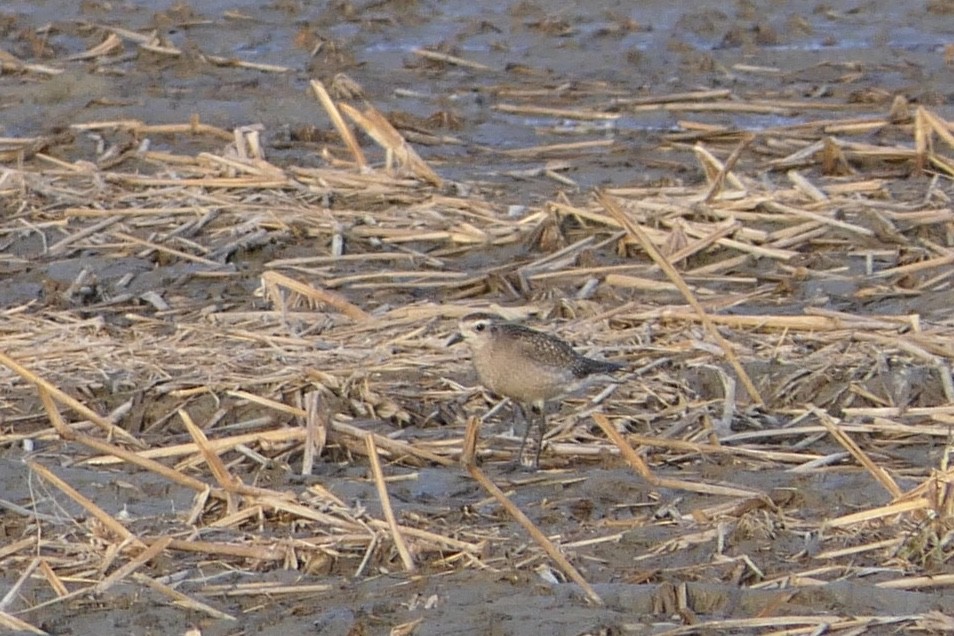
574	56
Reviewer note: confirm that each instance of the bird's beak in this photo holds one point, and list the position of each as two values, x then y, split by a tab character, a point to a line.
455	338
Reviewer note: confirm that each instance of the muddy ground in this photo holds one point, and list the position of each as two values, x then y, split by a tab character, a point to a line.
578	56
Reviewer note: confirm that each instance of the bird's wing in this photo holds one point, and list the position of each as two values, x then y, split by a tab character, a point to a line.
540	347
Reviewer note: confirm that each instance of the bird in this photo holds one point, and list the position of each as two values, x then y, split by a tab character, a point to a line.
528	366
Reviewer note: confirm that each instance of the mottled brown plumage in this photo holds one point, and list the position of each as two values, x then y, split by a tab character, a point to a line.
528	366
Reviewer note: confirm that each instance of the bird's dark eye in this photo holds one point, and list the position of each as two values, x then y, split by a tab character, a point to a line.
479	327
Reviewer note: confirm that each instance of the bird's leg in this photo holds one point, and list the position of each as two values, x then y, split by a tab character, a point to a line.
538	420
518	407
515	410
541	430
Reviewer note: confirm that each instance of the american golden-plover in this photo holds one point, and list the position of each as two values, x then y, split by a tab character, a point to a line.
528	366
